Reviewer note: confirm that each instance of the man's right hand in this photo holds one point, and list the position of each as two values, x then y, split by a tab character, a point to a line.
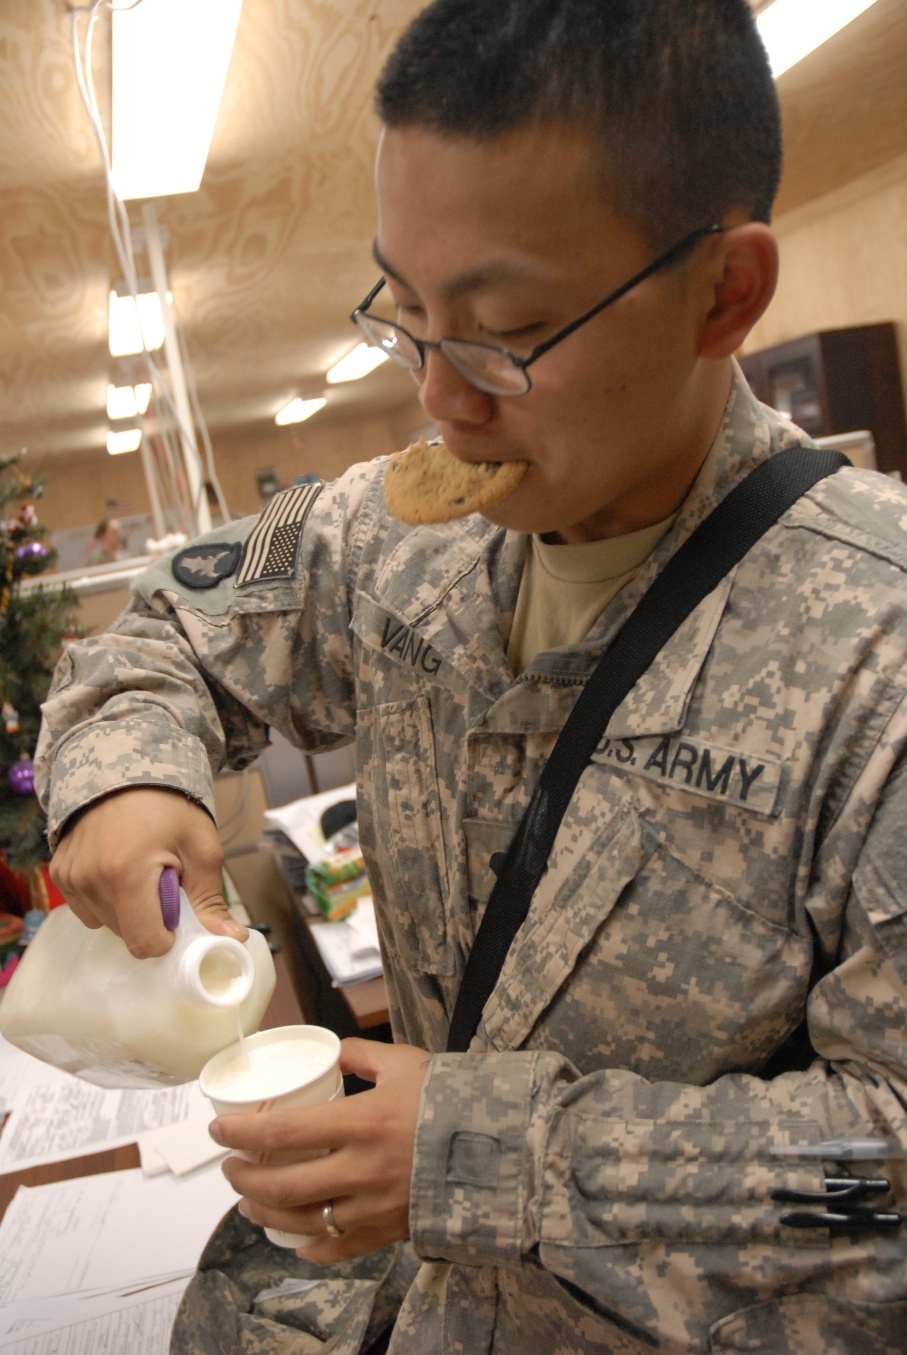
109	863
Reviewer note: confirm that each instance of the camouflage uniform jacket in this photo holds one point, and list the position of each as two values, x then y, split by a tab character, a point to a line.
595	1174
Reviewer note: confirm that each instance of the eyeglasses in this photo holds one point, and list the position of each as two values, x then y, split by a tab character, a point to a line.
496	370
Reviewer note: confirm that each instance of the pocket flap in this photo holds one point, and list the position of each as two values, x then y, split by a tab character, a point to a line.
569	906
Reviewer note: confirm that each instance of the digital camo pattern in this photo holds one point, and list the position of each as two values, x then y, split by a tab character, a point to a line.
595	1174
249	1297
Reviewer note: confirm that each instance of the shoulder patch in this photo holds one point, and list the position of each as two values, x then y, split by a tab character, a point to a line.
273	543
205	565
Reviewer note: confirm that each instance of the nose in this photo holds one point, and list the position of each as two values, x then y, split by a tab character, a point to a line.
448	397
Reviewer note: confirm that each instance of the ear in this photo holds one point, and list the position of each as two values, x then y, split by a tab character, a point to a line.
743	283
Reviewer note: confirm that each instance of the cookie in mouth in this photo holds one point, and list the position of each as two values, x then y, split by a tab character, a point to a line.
427	483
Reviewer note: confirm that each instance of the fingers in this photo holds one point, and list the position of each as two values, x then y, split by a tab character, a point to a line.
364	1226
204	889
374	1061
325	1249
107	885
298	1189
109	864
291	1197
356	1152
285	1135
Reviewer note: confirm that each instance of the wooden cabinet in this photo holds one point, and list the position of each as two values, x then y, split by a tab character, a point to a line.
838	381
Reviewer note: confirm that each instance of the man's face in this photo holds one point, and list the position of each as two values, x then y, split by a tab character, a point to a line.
504	242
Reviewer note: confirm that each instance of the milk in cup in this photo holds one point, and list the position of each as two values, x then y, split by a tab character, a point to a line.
284	1068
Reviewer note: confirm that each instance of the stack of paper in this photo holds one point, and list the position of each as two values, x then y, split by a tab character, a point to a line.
100	1263
349	948
54	1116
301	820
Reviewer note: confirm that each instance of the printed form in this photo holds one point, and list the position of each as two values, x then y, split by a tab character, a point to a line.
55	1116
82	1273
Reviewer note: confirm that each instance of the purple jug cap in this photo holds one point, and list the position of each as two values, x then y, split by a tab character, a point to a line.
169	894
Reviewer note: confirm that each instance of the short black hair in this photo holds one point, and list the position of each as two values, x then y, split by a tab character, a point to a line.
678	94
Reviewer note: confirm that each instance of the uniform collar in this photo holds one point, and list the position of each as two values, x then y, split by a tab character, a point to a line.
456	586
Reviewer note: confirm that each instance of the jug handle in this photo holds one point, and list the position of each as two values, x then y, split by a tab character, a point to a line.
168	891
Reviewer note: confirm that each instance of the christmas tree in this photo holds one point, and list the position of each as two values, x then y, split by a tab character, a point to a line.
35	624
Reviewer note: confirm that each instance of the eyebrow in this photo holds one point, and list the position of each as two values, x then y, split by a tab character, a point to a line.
471	280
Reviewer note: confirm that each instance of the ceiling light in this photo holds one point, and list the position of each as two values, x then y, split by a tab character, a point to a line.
126	402
127	324
298	410
358	363
170	61
791	29
126	441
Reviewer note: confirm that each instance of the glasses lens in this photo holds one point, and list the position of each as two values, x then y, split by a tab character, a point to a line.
491	369
395	342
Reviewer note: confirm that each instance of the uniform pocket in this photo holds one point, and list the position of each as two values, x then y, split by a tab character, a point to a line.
632	959
814	1324
485	840
400	830
885	910
561	924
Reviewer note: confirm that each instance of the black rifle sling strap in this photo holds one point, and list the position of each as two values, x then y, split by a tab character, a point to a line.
700	564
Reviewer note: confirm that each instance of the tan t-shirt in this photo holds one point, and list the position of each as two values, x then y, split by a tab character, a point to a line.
565	589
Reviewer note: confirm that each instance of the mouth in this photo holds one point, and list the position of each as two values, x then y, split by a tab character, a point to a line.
475	460
477	447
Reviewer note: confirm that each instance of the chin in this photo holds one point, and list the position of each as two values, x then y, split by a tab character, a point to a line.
513	519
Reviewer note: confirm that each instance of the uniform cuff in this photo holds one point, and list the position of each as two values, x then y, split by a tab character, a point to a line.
473	1172
103	758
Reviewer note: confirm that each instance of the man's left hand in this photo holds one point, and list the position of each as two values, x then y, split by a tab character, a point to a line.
365	1172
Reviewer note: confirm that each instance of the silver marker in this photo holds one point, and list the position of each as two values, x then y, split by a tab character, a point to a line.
843	1150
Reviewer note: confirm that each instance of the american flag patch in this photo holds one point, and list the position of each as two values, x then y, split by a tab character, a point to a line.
273	543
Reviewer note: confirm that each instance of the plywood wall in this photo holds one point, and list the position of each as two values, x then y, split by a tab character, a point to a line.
843	261
78	487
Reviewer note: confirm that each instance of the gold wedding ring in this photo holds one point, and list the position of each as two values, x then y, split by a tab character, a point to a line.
327	1214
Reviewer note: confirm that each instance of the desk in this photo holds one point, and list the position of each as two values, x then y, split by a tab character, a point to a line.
282	1010
357	1008
368	1002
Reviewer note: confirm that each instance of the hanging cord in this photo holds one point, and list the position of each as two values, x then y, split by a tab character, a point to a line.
121	233
202	426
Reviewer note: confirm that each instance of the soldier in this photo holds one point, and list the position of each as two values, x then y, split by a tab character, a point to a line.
108	543
709	986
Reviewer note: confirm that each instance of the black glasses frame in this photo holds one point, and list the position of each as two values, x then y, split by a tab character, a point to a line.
521	364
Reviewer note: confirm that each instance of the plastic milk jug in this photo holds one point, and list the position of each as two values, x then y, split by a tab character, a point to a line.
81	1001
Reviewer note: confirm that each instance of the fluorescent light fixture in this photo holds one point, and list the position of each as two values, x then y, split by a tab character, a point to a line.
127	402
791	29
170	60
127	324
126	441
299	410
358	363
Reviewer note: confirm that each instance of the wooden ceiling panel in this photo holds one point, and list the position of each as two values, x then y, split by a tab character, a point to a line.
845	107
267	259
